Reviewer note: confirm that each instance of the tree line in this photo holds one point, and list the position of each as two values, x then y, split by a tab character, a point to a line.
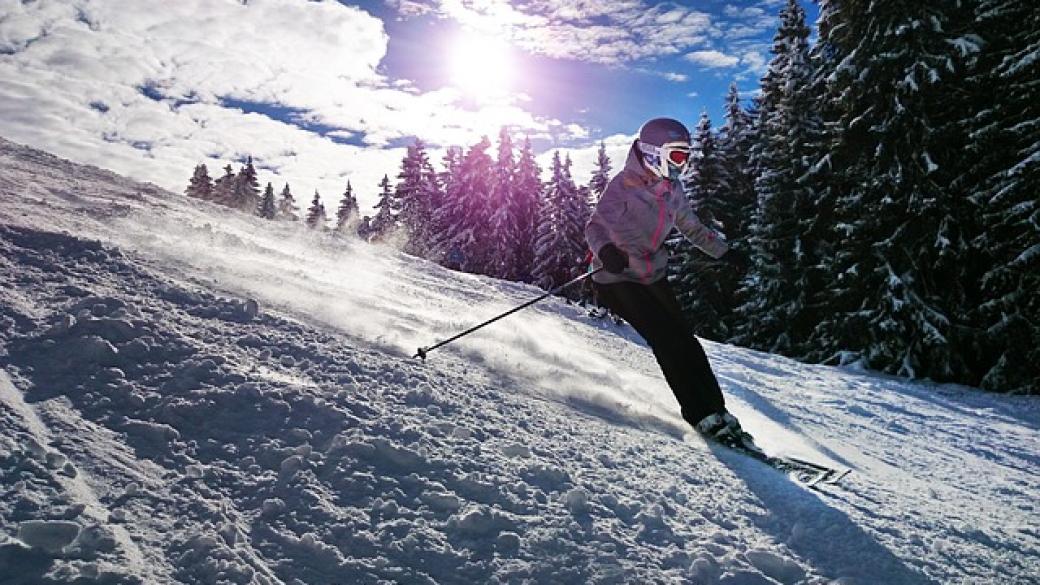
482	214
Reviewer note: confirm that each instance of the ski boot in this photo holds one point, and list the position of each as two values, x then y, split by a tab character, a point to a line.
723	427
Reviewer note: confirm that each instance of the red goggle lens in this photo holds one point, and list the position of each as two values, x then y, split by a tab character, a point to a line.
678	157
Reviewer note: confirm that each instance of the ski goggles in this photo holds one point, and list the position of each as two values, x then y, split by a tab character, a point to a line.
678	154
668	159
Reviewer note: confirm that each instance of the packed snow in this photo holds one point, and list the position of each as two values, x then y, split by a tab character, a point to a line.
190	395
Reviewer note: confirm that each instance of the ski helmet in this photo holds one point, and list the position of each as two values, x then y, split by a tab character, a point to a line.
664	144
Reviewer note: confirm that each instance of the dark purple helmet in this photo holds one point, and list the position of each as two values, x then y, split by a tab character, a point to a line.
664	144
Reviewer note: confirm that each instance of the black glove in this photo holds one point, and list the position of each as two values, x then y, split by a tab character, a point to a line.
736	258
614	259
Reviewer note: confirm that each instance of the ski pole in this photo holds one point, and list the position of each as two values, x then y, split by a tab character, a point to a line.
425	350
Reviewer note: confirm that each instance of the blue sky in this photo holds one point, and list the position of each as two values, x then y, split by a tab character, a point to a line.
321	92
684	71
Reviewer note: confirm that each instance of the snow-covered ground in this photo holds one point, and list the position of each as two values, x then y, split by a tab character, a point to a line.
193	396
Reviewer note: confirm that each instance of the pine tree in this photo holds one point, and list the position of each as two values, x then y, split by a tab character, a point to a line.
504	212
527	195
268	208
1001	178
902	245
560	246
704	286
778	314
245	195
348	212
829	179
200	186
580	201
445	215
547	263
316	216
601	174
385	221
287	209
415	196
735	207
224	187
465	216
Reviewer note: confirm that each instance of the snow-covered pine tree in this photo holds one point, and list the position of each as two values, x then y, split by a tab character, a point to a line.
577	211
444	215
246	190
287	209
897	269
201	185
465	215
573	215
560	246
316	216
414	198
268	208
601	173
1002	176
828	177
777	314
587	199
705	287
347	214
432	197
581	200
384	223
504	212
406	203
547	243
224	187
735	208
527	194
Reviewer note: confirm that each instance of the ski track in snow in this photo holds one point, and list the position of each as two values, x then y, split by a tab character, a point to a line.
155	428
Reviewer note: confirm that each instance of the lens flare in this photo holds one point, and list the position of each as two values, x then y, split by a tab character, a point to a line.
481	66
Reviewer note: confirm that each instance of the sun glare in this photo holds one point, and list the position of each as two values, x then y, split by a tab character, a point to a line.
481	66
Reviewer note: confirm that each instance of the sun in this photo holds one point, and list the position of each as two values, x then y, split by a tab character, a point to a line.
481	66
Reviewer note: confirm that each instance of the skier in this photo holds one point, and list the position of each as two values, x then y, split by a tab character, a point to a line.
638	209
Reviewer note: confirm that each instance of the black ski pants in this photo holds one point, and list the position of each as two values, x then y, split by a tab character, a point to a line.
654	312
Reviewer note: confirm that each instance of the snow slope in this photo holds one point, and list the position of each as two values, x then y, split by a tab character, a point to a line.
193	396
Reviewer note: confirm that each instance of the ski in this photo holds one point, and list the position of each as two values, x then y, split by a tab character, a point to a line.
807	473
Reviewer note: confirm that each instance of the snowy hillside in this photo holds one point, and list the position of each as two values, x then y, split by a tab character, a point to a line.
190	395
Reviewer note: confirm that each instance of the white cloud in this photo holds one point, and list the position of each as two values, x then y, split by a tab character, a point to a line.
755	62
669	75
712	59
577	131
746	12
72	73
609	31
583	159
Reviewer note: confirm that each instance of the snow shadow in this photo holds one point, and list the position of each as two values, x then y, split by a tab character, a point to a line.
767	408
24	566
964	401
818	534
